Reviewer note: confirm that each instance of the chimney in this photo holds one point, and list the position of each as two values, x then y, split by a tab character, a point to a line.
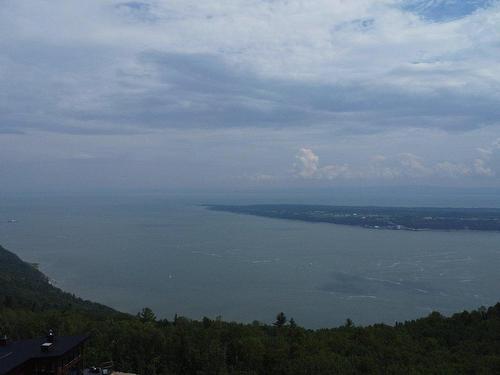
49	342
4	340
51	337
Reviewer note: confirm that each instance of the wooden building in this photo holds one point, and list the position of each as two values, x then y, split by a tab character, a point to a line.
48	356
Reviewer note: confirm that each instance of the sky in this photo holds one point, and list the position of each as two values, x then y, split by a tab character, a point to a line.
217	94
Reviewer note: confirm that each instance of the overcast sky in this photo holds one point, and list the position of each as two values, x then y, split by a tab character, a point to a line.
248	93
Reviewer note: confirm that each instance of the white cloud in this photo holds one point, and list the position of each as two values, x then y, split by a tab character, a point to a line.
450	169
401	166
491	154
308	163
334	171
116	76
485	152
482	169
496	144
378	158
413	165
308	167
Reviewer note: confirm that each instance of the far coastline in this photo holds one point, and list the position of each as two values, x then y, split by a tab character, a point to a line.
377	217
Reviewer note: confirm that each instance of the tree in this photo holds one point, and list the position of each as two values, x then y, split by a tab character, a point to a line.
147	315
206	322
280	320
8	302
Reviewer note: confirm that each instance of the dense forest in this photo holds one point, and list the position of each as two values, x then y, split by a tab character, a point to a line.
22	285
399	218
467	342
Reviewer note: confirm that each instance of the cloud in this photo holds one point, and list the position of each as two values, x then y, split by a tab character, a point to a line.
450	169
140	65
261	178
334	171
308	167
482	169
308	161
488	155
236	85
413	165
401	166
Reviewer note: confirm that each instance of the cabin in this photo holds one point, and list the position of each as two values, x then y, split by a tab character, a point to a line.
48	355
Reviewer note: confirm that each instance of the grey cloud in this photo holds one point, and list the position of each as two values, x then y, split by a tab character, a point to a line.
82	84
193	90
10	131
235	85
221	95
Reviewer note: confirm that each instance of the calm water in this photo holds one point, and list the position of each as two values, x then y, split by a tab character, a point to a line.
176	257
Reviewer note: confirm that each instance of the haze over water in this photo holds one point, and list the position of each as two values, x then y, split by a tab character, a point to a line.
173	255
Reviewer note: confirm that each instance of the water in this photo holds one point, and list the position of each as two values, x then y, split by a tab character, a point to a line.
176	257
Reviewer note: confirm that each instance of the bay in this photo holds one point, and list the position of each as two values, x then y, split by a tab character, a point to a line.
173	255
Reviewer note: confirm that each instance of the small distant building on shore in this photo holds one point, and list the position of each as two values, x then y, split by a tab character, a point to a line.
104	369
49	355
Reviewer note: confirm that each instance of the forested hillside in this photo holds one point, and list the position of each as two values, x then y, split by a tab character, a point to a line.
468	342
24	286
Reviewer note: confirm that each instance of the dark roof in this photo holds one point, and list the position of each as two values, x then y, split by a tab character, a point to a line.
18	352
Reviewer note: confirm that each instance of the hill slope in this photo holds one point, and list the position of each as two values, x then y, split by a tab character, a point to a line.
22	285
466	343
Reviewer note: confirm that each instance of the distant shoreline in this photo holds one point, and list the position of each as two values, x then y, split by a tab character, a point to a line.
391	218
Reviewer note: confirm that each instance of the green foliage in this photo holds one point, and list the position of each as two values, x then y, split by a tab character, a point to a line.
23	286
466	343
280	320
147	315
